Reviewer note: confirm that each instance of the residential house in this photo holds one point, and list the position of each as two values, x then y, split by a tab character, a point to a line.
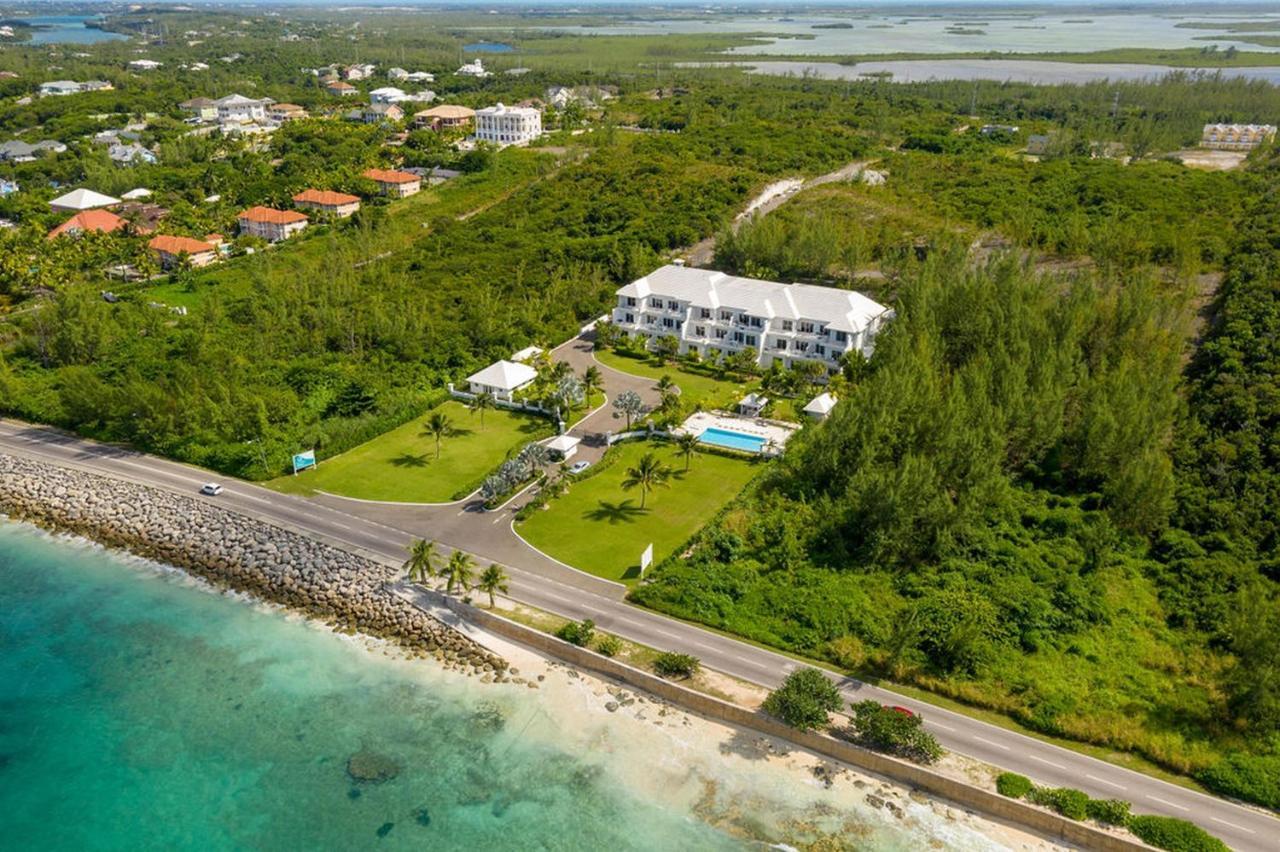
239	109
387	95
103	221
337	204
8	187
1236	137
473	69
380	114
503	125
445	117
998	129
81	199
502	379
340	89
96	86
714	314
130	155
394	183
143	217
17	151
201	109
144	64
280	113
137	194
56	88
359	72
270	224
400	75
561	96
171	250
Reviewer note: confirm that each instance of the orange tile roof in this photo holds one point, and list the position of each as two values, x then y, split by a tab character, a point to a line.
90	220
286	107
324	197
339	85
447	111
177	245
390	176
271	216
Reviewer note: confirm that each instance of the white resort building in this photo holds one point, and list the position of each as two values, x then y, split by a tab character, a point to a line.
1236	137
502	379
712	313
504	125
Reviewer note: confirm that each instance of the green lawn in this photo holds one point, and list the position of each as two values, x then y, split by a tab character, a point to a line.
694	387
402	465
601	528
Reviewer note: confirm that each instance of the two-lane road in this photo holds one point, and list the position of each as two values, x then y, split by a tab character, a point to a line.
545	584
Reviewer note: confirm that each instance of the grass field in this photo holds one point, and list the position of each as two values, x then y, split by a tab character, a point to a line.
601	528
402	465
694	387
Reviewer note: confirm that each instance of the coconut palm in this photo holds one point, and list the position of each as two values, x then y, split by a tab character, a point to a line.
592	382
493	580
421	561
459	571
482	402
687	445
648	474
438	426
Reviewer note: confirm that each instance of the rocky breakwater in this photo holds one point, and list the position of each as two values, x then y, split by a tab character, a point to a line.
233	551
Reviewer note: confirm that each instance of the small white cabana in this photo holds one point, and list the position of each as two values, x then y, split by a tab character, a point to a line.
502	379
563	447
820	406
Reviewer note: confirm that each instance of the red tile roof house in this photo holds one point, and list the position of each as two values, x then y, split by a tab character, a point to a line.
171	250
337	204
399	184
103	221
271	225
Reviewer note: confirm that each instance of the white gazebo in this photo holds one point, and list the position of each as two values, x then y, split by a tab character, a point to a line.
527	354
752	405
563	447
820	406
502	379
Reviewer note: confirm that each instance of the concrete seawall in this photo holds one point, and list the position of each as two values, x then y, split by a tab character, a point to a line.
233	551
983	801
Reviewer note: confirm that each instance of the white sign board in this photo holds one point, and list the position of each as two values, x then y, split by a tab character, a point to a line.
646	559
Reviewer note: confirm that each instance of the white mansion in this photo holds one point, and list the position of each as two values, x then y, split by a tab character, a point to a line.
712	313
504	125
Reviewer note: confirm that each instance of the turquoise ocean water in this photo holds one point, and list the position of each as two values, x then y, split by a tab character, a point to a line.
141	710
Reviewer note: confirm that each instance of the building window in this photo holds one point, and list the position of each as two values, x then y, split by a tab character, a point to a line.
788	325
841	337
738	337
726	315
673	305
820	349
751	340
668	322
699	331
743	318
631	301
655	303
631	318
705	313
756	322
720	333
806	328
780	344
801	346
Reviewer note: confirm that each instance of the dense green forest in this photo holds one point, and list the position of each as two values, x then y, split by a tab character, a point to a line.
1022	503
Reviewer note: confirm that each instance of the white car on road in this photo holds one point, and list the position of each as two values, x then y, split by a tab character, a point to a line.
212	489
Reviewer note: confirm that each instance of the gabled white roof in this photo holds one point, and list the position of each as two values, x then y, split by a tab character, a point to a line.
83	199
841	310
134	194
505	375
821	404
563	443
237	100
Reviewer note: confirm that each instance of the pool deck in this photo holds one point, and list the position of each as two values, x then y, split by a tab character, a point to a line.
767	431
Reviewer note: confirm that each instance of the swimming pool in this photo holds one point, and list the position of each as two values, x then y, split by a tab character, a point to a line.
731	440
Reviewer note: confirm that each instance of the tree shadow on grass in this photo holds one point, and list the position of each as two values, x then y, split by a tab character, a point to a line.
410	460
615	513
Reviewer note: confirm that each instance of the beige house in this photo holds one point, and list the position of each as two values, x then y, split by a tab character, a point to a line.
171	250
394	183
270	224
340	89
445	117
280	113
337	204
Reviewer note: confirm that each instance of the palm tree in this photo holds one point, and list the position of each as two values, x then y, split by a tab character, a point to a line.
494	579
459	571
421	561
482	402
592	381
438	426
649	473
687	445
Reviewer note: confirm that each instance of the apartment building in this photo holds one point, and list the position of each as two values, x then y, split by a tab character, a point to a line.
170	250
394	183
715	314
238	108
1236	137
272	225
337	204
504	125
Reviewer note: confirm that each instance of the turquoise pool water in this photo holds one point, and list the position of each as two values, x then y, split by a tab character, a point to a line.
732	440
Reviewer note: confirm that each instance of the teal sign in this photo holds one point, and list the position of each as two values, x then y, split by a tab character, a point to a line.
302	461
